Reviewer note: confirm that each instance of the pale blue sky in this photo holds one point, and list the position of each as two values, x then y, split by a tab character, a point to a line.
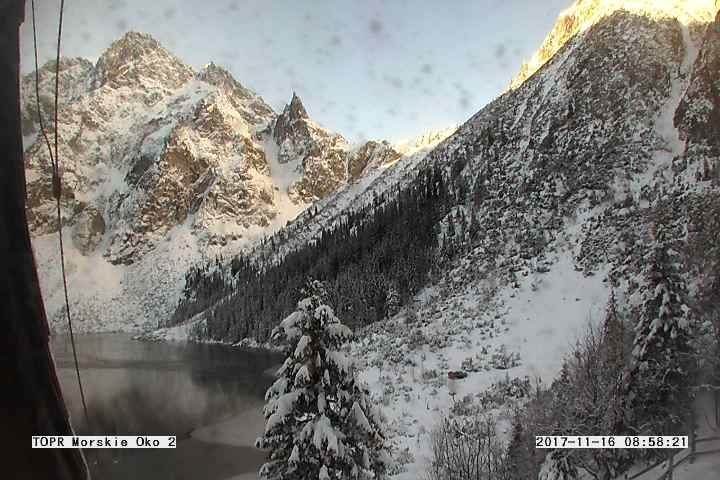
367	69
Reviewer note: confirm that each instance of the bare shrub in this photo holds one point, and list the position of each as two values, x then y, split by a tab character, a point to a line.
467	450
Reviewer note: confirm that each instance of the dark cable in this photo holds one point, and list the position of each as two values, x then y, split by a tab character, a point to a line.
57	188
57	184
37	90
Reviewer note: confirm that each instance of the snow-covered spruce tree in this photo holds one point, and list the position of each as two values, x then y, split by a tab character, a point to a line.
320	422
662	361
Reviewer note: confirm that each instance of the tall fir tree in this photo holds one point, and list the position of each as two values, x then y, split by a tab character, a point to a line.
661	351
320	422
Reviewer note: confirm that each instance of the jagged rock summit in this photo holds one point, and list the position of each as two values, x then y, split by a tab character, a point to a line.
296	110
294	117
324	153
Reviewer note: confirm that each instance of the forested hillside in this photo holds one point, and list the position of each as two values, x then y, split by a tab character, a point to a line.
559	248
585	145
373	261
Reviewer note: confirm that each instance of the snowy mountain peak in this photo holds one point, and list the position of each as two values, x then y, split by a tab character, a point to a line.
293	121
164	166
424	141
583	14
218	76
137	40
251	105
137	59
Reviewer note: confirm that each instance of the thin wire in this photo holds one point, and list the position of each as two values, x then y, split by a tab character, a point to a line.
37	89
57	185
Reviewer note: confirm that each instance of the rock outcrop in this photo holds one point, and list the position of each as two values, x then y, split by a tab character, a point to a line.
157	158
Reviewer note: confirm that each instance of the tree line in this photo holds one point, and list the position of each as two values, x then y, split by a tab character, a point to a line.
372	261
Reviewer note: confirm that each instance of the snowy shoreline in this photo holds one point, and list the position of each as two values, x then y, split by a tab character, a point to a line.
181	334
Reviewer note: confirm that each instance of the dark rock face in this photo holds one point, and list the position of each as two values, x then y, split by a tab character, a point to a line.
296	110
292	122
323	171
322	154
698	116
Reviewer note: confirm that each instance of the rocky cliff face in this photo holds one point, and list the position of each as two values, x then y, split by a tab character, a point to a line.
698	115
584	14
157	157
324	153
144	142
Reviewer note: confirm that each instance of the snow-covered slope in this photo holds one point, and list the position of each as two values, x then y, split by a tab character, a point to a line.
164	167
494	333
575	168
568	178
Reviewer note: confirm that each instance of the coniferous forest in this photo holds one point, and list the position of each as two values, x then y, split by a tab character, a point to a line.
372	262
